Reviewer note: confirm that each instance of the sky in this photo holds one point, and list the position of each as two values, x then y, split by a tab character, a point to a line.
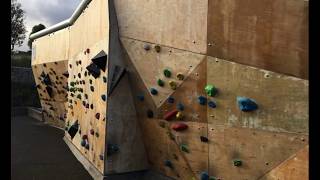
45	12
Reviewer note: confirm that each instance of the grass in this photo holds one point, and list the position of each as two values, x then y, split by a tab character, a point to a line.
21	59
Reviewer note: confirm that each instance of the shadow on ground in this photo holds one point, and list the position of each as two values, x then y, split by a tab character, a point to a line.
39	153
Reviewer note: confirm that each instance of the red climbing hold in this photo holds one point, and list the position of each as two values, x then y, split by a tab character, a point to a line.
179	126
84	137
91	131
170	115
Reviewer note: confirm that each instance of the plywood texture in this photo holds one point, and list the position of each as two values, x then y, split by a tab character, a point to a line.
260	151
294	168
54	113
51	48
91	26
269	34
178	24
150	66
86	114
282	100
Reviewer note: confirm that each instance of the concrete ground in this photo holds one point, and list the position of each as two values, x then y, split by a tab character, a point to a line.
39	153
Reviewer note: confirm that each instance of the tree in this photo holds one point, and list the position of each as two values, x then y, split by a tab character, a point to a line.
17	25
35	29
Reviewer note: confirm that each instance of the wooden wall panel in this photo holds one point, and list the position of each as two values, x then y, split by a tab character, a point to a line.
54	113
269	34
294	168
282	100
180	24
259	151
51	48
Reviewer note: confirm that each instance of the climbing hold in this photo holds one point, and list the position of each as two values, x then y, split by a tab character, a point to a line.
104	79
153	91
168	163
157	48
84	137
79	96
140	97
202	100
171	100
66	74
91	131
246	104
204	139
91	106
167	73
212	178
146	47
160	82
73	129
179	116
173	85
97	134
212	104
170	115
180	76
237	162
83	142
211	90
92	88
204	176
100	60
101	157
179	126
149	113
184	148
87	105
180	107
94	70
97	115
87	50
103	97
87	145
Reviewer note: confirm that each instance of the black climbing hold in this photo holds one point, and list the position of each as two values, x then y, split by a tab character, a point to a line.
79	75
97	116
157	48
92	88
73	129
160	82
103	97
246	104
204	176
180	107
70	65
204	139
104	79
79	96
86	96
87	145
50	91
46	80
83	103
141	97
97	134
101	157
171	100
153	91
150	113
168	163
91	106
55	63
167	73
212	104
83	142
44	65
202	100
94	70
85	73
87	105
100	60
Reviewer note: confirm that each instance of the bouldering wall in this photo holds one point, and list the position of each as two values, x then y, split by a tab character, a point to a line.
220	86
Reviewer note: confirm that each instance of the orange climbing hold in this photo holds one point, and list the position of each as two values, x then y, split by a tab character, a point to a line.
170	115
179	126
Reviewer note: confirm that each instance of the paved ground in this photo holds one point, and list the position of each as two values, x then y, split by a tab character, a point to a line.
39	153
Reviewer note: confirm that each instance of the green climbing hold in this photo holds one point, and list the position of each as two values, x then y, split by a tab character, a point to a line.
212	178
167	73
184	148
237	162
211	90
160	82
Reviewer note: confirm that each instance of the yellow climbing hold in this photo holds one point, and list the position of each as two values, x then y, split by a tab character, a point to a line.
179	116
180	76
173	85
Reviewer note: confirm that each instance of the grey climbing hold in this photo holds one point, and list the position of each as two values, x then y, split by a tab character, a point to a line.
146	47
204	176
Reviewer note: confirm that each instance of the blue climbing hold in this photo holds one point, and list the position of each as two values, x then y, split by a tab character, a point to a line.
140	97
171	100
168	163
246	104
202	100
180	107
204	176
212	104
87	146
153	91
83	142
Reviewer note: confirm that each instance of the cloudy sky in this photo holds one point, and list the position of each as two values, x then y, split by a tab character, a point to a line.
45	12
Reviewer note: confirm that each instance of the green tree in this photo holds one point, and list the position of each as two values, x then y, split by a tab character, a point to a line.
18	29
35	29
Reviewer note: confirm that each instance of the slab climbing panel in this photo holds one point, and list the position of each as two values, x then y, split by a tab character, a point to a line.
152	65
54	113
270	35
179	24
282	100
